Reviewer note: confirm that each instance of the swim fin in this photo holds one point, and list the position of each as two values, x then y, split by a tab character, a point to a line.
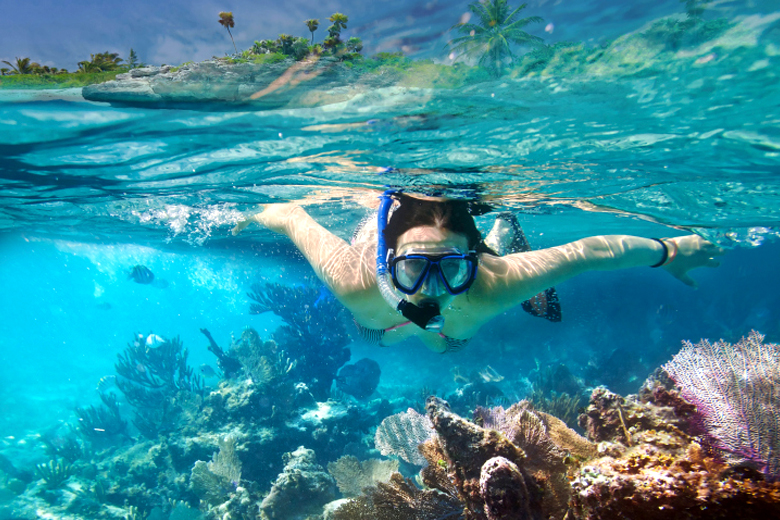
507	237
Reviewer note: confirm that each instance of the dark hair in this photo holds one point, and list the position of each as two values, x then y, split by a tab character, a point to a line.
453	215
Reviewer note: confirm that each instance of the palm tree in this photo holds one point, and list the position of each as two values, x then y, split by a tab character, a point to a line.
312	25
101	62
491	37
339	22
23	66
286	42
226	20
3	71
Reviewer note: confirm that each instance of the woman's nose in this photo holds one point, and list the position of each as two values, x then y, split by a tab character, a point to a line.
432	286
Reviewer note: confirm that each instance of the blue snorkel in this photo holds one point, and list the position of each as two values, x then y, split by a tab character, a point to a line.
426	317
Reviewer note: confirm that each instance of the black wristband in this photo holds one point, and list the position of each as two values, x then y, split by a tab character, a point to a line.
666	252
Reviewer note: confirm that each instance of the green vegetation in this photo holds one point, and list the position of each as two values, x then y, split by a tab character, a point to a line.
103	62
27	74
677	34
491	37
42	81
299	48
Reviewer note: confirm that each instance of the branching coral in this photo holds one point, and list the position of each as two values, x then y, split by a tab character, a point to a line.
103	422
151	378
313	336
149	373
557	392
54	473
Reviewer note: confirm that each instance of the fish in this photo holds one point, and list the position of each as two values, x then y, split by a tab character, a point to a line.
359	379
104	306
154	341
207	371
106	383
141	274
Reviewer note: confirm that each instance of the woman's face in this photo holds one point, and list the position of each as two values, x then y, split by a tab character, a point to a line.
433	240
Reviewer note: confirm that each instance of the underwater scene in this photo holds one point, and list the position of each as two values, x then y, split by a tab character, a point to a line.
423	260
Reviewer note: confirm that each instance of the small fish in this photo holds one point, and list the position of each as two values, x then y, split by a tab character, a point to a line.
207	371
141	274
103	306
106	383
154	341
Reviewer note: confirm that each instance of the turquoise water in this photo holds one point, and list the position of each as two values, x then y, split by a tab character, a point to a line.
90	190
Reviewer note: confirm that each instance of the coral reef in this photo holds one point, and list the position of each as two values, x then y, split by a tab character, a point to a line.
55	473
303	488
313	333
158	383
480	461
651	467
648	456
352	475
648	484
402	433
229	365
734	390
399	499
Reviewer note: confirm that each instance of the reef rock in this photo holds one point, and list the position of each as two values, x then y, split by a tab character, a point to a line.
302	489
268	85
503	488
359	379
479	459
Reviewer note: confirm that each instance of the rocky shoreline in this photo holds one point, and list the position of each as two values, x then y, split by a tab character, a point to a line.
288	84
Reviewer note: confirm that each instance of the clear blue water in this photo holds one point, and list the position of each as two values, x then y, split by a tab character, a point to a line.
90	190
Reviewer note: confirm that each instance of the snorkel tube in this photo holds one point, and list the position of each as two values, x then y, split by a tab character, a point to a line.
426	317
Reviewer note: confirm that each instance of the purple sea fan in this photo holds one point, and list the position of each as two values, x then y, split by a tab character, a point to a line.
736	390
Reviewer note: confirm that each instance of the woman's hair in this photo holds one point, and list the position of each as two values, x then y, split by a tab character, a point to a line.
453	215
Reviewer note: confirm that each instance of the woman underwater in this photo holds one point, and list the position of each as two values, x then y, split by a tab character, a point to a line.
423	270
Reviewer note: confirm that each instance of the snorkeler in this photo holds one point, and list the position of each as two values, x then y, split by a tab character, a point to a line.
423	270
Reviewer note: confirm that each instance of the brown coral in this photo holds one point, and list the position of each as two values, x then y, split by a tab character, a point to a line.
650	485
467	447
399	499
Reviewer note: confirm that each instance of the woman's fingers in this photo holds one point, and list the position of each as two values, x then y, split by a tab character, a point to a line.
244	223
240	226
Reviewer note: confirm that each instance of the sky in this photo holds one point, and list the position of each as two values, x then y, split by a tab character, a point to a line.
61	33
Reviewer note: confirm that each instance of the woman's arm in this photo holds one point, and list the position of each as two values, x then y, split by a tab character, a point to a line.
509	280
340	266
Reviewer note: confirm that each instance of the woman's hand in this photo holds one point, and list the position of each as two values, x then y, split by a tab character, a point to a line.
274	216
692	252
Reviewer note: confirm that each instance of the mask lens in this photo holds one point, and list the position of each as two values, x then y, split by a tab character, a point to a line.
456	271
409	271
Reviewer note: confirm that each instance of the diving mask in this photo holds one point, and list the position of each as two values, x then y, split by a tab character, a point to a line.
437	271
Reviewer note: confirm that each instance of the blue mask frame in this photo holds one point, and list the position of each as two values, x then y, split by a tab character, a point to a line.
434	262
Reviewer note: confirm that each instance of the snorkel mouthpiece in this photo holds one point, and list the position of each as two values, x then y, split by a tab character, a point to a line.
426	316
